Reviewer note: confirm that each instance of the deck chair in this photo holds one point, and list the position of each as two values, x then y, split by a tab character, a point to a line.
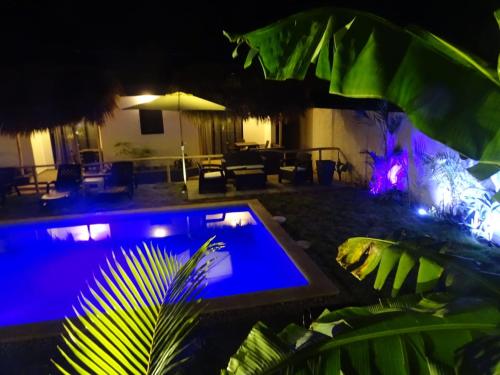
301	170
66	185
120	179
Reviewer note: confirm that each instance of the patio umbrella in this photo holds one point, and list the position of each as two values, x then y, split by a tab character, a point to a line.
180	101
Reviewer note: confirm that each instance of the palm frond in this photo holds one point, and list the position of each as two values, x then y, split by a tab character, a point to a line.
363	256
393	338
138	315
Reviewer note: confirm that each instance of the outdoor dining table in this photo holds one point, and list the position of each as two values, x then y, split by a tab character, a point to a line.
245	145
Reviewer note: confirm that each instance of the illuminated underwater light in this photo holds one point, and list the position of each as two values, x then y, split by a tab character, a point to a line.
422	211
159	231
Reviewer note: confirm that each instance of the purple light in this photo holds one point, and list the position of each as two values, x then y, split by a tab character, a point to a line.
392	175
389	173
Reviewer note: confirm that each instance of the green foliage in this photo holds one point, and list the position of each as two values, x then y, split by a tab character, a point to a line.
363	55
410	336
139	315
362	256
446	169
481	356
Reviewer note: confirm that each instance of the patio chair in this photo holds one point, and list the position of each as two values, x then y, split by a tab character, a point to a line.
7	177
66	185
12	179
272	161
212	179
120	179
301	170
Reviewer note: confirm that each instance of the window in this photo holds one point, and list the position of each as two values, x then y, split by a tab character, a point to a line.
151	122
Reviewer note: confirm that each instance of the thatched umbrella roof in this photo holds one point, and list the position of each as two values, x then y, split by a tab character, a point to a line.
46	96
244	93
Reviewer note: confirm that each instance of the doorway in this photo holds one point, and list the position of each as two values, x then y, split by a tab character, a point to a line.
68	142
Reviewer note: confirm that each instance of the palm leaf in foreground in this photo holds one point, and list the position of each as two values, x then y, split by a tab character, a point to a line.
138	316
363	256
408	336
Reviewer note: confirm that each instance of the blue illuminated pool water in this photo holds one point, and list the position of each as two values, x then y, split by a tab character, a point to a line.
44	265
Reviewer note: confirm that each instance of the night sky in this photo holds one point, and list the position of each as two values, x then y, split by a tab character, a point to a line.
146	41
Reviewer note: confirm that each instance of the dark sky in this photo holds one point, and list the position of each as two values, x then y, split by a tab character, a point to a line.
146	39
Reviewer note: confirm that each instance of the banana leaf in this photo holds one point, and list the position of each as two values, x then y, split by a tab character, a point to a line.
481	356
395	337
137	318
362	256
448	94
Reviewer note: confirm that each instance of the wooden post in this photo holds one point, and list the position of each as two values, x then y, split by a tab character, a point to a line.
99	143
20	153
35	179
169	176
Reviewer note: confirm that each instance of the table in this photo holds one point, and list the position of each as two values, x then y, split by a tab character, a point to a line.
243	145
250	179
93	184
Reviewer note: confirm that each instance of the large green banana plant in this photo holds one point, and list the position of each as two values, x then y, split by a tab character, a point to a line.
139	315
405	336
363	256
365	56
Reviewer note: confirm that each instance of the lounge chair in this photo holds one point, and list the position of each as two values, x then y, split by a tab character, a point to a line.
212	179
66	185
120	180
301	170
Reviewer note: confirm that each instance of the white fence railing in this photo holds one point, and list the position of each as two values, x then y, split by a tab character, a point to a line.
165	161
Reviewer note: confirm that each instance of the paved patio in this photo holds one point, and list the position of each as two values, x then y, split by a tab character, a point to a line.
273	187
145	196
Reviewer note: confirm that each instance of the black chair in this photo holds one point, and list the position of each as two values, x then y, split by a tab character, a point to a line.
272	161
90	159
212	179
301	170
7	183
12	179
66	185
121	179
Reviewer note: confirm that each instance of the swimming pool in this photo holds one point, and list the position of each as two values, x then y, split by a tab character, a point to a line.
44	264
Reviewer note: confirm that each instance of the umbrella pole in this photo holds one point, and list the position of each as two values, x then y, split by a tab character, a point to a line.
182	146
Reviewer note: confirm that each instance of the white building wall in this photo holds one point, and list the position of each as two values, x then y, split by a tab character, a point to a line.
306	124
355	136
255	130
124	126
322	127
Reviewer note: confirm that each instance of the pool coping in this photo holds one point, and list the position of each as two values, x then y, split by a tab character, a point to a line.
319	285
